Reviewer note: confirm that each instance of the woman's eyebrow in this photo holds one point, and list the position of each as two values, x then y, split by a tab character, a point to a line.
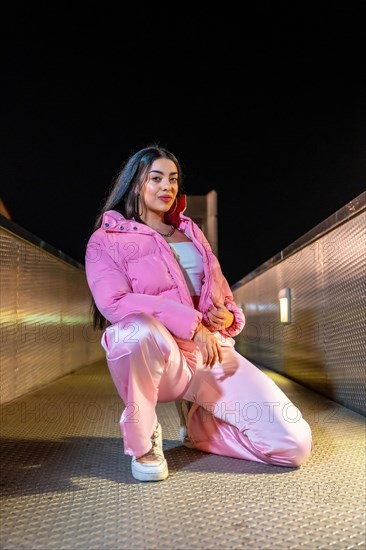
162	173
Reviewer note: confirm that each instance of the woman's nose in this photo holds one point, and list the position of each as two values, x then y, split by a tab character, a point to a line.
166	183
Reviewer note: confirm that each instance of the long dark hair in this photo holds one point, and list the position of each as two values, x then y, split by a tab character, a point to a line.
122	196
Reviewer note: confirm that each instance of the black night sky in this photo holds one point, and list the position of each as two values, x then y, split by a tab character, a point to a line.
267	106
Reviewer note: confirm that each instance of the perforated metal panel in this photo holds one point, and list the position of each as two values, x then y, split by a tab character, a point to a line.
325	345
45	325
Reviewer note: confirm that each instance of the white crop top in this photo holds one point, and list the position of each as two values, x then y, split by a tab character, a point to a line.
190	261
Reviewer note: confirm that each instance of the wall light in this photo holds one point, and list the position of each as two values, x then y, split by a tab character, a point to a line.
284	297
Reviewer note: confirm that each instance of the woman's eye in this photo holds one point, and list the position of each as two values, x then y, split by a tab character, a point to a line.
157	179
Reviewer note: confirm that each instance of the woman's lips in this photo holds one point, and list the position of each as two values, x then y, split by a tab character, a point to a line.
165	199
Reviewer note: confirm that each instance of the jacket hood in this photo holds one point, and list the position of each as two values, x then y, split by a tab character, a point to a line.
173	214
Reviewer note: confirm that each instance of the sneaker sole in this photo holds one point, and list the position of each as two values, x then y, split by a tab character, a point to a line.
189	444
185	440
150	476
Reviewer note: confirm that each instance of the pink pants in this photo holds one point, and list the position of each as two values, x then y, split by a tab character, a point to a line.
240	412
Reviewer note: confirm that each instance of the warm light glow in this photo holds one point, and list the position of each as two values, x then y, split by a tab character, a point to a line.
285	305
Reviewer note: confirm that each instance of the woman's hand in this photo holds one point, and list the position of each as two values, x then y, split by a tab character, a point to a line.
209	346
219	317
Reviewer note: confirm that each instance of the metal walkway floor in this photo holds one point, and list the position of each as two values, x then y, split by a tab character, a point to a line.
66	483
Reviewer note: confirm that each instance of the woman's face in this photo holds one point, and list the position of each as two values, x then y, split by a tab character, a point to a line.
161	186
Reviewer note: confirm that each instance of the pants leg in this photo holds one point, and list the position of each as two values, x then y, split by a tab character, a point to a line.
146	366
240	412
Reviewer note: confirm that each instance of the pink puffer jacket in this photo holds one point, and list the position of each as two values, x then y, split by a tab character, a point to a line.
131	268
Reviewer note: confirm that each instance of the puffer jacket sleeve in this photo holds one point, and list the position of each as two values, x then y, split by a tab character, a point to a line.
239	317
114	298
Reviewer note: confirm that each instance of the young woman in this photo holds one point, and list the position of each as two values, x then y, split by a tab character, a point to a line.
170	318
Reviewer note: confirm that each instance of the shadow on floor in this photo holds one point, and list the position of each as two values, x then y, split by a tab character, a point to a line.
38	466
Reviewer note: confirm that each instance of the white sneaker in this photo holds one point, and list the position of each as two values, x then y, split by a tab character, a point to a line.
153	466
184	407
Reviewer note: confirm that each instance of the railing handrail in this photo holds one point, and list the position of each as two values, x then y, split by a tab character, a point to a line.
19	231
342	215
